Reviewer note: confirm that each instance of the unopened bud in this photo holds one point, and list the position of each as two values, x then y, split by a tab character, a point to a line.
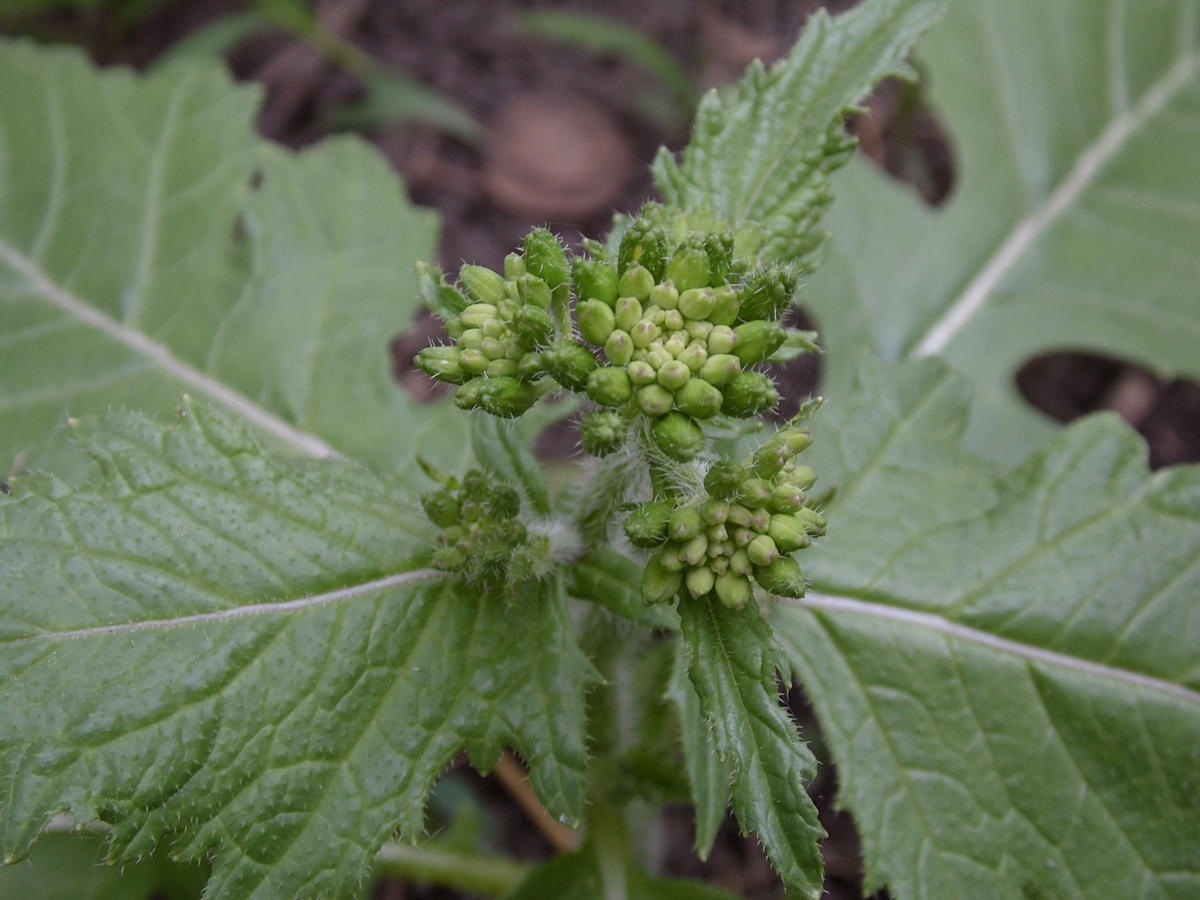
481	284
628	312
719	247
685	523
659	585
787	498
673	375
601	433
596	321
697	303
479	314
514	266
762	551
533	291
441	507
646	526
569	364
714	512
733	590
803	477
442	363
678	436
724	478
664	295
698	399
609	386
545	258
755	493
757	340
595	280
637	282
699	581
646	246
726	306
533	326
694	356
782	577
767	294
721	339
811	520
747	394
619	348
644	333
655	400
717	370
506	396
788	533
688	268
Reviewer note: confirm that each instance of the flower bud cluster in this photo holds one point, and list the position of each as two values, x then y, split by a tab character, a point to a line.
752	518
677	336
481	533
500	325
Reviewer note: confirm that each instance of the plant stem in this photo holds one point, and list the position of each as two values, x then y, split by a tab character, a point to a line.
607	834
451	868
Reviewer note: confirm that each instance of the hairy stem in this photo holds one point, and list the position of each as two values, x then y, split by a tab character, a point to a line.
451	868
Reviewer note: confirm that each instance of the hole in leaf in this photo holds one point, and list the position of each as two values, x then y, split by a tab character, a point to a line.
903	136
1066	385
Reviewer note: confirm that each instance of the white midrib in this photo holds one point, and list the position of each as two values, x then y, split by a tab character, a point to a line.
1089	164
941	625
161	356
235	612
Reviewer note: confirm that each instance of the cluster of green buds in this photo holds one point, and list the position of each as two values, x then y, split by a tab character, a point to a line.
481	534
753	516
499	324
679	324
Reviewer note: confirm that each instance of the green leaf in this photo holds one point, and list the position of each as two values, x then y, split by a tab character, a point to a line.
764	157
1073	221
708	775
1004	661
733	665
229	654
153	244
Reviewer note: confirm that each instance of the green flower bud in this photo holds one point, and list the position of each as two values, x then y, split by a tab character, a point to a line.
769	459
595	280
443	299
688	268
442	363
798	440
754	493
699	581
441	507
685	523
767	293
514	266
455	328
493	348
676	344
717	370
672	318
742	536
471	339
717	534
694	551
481	284
533	326
655	400
721	340
659	584
698	398
628	312
724	479
673	375
747	394
637	282
609	386
699	330
530	366
478	314
788	533
644	333
449	559
646	526
714	512
811	520
739	562
474	361
762	551
733	590
725	307
569	364
671	559
694	356
782	577
545	258
664	295
697	303
657	357
601	433
596	321
802	477
641	372
646	246
787	498
468	393
506	396
498	367
757	341
678	436
534	292
619	348
495	328
718	245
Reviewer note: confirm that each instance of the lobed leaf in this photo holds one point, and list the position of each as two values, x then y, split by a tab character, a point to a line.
1073	220
242	657
733	663
150	244
764	157
1004	661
